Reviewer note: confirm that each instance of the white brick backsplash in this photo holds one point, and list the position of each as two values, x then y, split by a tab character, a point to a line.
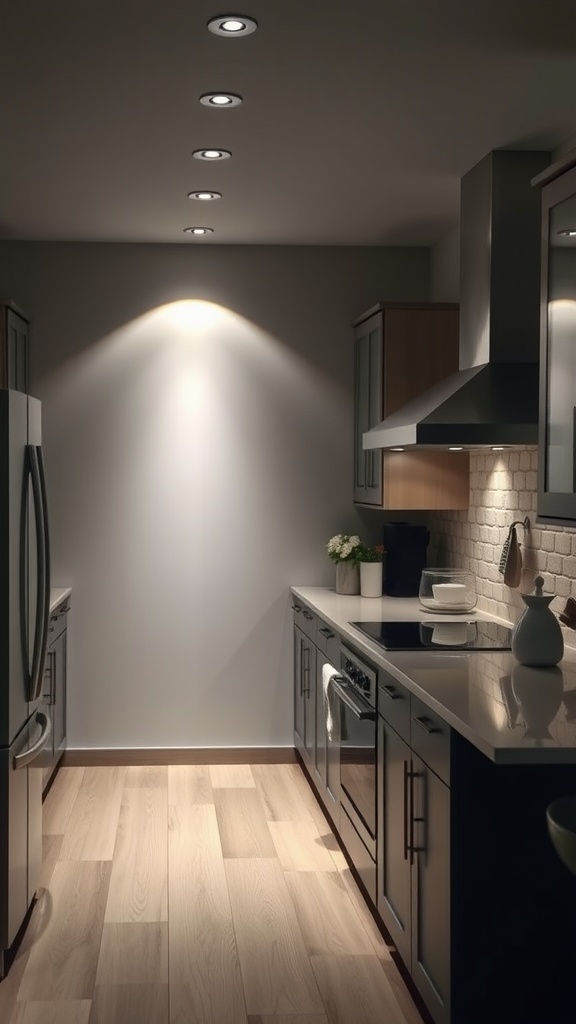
503	488
554	563
562	586
569	567
548	540
562	543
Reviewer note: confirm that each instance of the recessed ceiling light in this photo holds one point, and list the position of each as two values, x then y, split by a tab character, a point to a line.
205	195
570	232
199	231
456	448
211	154
232	25
220	99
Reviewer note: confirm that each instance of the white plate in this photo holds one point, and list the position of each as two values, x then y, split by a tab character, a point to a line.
439	606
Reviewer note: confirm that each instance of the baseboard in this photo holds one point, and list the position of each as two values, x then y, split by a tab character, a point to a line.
87	757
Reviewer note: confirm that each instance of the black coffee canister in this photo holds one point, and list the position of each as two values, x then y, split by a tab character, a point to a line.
405	547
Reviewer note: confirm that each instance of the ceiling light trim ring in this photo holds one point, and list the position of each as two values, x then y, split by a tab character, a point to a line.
204	195
215	151
222	100
217	25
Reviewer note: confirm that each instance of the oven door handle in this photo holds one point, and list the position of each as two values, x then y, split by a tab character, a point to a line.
360	708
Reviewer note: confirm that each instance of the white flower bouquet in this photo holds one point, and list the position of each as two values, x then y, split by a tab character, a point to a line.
344	548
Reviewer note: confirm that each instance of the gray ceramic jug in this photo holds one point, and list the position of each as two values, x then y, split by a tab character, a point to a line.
537	638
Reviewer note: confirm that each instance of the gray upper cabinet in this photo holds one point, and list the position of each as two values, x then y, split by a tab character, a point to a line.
557	435
400	351
14	330
368	409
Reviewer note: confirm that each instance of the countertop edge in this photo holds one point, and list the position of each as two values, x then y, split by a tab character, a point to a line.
322	601
57	596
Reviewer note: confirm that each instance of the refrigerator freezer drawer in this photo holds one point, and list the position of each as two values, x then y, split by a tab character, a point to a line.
20	826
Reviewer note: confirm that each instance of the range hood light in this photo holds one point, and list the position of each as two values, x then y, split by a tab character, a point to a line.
211	154
232	25
569	232
220	99
396	449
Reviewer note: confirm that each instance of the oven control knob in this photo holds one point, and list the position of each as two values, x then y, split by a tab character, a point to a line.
351	670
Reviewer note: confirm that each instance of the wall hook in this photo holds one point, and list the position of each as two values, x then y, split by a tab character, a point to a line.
525	523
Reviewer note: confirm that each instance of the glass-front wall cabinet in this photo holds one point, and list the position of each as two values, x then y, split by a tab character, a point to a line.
557	447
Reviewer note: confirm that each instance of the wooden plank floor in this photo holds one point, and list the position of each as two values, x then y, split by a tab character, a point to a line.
196	894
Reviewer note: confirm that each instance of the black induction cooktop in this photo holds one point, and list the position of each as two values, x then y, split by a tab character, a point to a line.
433	635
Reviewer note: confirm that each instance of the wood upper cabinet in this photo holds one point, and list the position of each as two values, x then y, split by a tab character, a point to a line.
401	351
14	328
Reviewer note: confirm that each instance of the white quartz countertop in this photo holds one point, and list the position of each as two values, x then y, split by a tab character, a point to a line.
512	713
57	595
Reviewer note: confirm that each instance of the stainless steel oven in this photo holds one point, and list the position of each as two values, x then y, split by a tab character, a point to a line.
355	692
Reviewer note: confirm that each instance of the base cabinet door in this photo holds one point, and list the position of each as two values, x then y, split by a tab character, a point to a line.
59	716
299	643
429	852
413	845
54	693
393	870
309	691
304	695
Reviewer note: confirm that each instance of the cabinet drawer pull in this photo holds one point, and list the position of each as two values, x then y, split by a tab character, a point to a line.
307	614
405	810
306	669
426	725
327	632
391	692
409	846
297	607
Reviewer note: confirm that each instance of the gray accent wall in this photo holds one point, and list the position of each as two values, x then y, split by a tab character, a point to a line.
198	434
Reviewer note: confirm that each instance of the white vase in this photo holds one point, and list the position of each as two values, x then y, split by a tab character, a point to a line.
537	638
371	579
347	578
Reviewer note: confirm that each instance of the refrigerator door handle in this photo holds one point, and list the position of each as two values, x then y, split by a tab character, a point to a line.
39	626
21	760
46	559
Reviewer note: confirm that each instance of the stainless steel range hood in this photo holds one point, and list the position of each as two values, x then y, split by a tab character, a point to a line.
493	399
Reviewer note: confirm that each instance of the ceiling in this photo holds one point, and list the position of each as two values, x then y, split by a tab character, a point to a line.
359	116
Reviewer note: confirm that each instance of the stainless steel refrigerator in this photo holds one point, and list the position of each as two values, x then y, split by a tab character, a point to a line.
24	613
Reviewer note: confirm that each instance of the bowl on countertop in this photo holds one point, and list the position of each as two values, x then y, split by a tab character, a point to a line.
447	590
